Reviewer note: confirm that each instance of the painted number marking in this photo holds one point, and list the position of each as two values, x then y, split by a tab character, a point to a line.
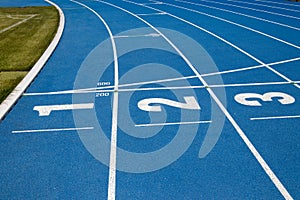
248	99
102	94
46	110
190	103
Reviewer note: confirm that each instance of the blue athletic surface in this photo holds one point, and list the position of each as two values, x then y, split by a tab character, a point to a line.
201	97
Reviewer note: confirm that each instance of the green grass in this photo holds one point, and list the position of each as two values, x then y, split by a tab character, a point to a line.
22	45
8	81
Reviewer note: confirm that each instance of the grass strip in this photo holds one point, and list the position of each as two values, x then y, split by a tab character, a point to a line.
22	42
8	81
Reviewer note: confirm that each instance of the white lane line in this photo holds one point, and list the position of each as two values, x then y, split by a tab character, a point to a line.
241	14
52	130
263	5
173	123
17	24
275	117
225	41
199	86
135	36
253	84
256	10
110	88
107	88
154	3
252	67
287	4
113	145
150	14
251	147
236	24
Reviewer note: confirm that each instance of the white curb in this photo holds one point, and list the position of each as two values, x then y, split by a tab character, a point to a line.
13	97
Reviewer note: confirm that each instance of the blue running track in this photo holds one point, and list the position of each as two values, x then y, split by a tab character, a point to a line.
173	99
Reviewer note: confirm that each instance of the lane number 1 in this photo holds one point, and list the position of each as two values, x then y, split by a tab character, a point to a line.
47	109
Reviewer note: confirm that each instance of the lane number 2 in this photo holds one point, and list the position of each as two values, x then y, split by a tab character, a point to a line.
190	104
248	99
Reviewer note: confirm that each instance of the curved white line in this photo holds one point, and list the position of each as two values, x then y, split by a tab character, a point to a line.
110	88
286	4
250	68
259	4
241	14
113	140
236	24
8	103
251	147
257	10
223	40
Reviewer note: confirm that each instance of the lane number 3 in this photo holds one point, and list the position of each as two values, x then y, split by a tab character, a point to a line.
251	99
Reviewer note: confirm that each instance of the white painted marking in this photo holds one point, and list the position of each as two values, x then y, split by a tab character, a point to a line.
113	145
190	87
17	24
154	3
19	16
275	117
135	36
190	104
223	40
52	130
236	24
150	14
47	109
241	14
251	147
257	10
244	98
252	67
287	4
110	88
254	84
106	89
173	123
263	5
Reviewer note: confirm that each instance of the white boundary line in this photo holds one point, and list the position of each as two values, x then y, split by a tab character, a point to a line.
113	145
241	14
107	88
263	5
17	24
286	4
223	40
8	103
110	89
172	123
251	147
275	117
252	67
51	130
150	14
135	36
236	24
256	10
